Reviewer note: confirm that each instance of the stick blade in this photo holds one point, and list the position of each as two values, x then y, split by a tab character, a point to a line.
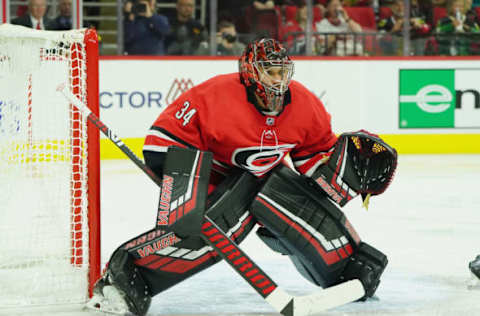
328	298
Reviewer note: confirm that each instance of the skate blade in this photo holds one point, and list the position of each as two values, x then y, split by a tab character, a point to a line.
111	303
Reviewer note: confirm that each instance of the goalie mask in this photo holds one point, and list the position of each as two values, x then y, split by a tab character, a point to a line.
266	68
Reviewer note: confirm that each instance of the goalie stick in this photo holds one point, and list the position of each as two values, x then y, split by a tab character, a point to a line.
213	236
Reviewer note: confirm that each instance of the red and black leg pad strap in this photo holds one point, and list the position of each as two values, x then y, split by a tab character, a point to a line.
361	163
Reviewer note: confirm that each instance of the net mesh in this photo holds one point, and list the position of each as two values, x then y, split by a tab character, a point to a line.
43	155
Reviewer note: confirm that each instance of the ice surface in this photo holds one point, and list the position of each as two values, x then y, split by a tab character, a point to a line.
427	222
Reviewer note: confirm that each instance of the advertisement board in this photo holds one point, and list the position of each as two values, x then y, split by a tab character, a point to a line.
419	105
134	92
439	98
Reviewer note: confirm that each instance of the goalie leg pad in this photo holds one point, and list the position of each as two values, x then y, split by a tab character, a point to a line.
311	229
367	265
164	259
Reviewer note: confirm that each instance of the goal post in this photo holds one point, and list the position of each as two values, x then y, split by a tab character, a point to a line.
49	167
91	47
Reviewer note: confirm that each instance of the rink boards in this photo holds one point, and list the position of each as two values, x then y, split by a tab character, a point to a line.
418	105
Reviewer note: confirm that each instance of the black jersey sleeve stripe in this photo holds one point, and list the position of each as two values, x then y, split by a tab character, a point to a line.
181	141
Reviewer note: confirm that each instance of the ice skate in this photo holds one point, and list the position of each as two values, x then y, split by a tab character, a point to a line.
107	299
121	290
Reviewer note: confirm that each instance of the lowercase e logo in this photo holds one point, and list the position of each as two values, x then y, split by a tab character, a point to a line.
427	98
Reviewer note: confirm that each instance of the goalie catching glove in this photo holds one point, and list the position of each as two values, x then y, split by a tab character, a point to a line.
361	163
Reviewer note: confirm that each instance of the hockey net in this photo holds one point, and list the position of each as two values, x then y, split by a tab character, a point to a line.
49	167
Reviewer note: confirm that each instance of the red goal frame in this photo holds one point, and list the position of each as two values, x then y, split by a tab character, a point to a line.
93	164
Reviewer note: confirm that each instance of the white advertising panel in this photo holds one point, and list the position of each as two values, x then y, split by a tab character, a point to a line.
383	96
467	88
134	92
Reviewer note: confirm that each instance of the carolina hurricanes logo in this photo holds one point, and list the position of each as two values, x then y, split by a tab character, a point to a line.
259	160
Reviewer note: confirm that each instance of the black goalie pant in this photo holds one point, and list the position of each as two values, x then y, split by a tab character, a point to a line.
164	260
301	222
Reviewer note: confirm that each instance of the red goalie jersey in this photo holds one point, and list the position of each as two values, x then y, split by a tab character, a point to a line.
216	116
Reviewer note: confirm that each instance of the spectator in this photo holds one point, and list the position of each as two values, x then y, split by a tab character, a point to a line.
63	21
227	41
293	33
337	21
186	34
393	26
35	17
145	30
457	21
451	38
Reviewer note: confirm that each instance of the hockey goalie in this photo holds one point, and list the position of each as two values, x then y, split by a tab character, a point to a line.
249	122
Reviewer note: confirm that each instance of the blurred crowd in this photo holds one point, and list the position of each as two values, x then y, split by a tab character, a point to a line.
34	15
330	27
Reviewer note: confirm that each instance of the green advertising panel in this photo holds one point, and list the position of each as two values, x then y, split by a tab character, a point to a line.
427	98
